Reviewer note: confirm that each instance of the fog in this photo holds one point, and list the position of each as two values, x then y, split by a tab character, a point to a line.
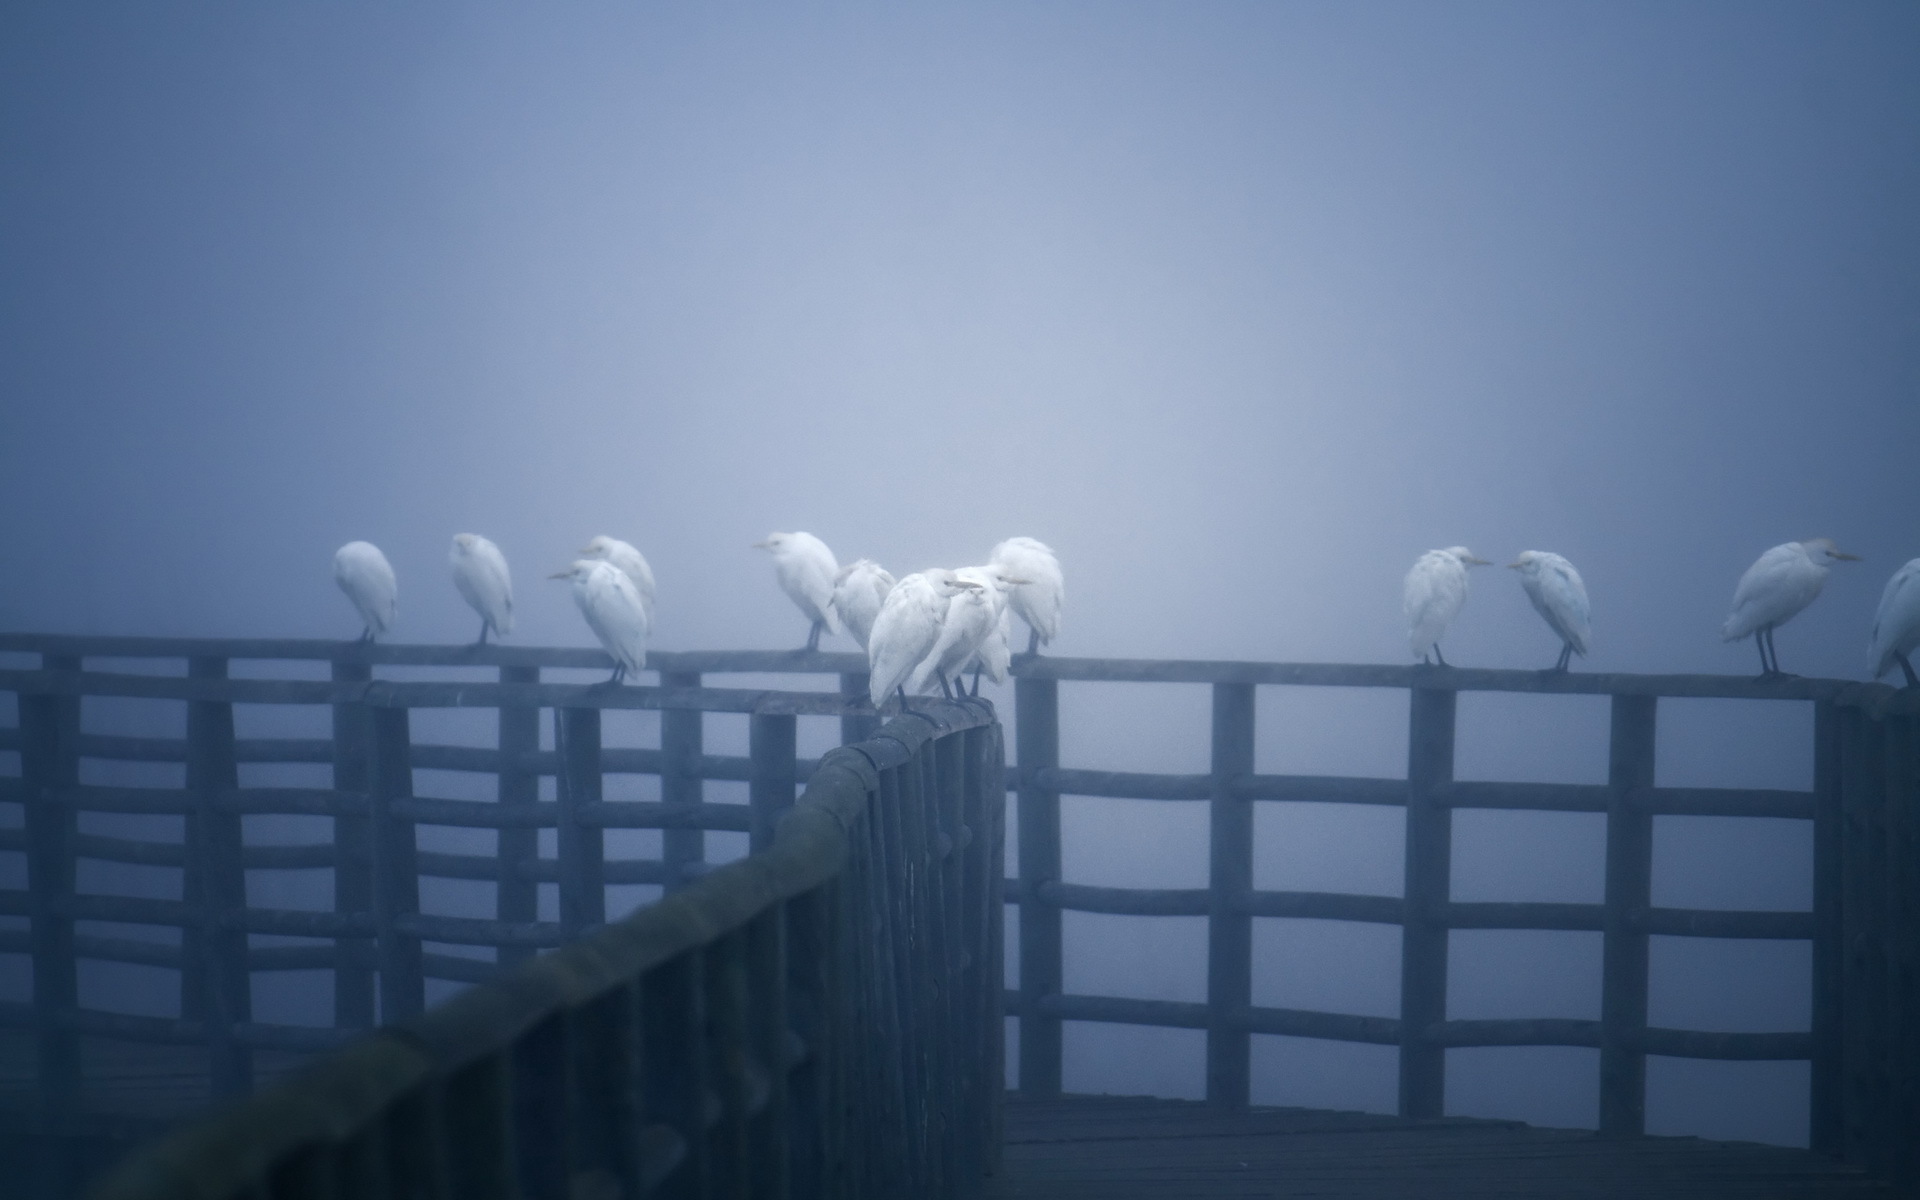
1239	307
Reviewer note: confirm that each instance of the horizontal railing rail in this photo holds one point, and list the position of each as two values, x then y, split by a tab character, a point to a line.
817	1020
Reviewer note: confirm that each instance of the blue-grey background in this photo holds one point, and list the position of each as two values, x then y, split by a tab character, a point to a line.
1239	306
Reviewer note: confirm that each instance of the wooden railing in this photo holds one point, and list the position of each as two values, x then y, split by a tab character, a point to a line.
1864	925
818	1019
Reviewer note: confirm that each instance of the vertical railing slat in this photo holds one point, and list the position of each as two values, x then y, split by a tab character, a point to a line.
1429	863
1229	924
396	869
857	726
1899	936
681	787
1826	1113
1629	893
768	1046
216	884
1037	747
353	886
518	895
50	764
580	847
673	1054
773	777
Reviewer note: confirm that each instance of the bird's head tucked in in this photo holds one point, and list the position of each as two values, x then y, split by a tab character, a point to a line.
464	541
1823	551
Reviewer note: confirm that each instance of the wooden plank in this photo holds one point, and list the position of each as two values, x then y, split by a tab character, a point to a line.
1826	1111
771	742
516	894
1629	883
1899	935
1230	884
396	871
580	848
216	986
681	788
49	763
354	1005
1423	939
1037	748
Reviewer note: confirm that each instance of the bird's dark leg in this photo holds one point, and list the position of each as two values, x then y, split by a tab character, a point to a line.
945	690
483	633
1913	681
1033	641
366	636
813	636
1438	655
1566	656
619	673
902	689
976	680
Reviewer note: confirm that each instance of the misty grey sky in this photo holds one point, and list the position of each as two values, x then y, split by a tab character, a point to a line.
1239	306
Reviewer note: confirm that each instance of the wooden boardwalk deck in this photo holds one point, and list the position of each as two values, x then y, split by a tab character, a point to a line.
1110	1148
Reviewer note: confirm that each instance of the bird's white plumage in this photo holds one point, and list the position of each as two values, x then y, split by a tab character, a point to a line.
1778	585
612	607
1435	589
1039	601
480	572
1896	624
995	653
906	629
805	569
1558	595
969	620
858	592
366	576
631	563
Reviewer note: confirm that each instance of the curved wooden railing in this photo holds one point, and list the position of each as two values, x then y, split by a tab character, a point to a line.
1864	924
818	1019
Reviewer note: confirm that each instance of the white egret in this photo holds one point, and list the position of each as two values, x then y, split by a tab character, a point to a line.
906	629
805	568
1896	626
1778	585
969	620
612	607
480	572
995	653
632	564
1560	597
1038	603
366	576
1436	588
858	592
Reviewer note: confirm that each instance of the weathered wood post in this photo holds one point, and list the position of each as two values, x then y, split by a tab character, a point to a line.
817	1088
215	882
674	1087
773	777
50	764
766	1047
580	846
396	864
353	891
1230	884
1423	944
518	895
1863	915
1902	942
1037	747
1826	1112
681	786
1629	894
857	727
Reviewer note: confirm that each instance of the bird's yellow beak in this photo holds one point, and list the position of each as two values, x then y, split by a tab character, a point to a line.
966	583
763	545
1017	582
1478	562
1514	565
561	575
1846	557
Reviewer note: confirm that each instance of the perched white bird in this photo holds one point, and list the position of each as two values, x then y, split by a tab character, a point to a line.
995	654
1038	603
364	574
612	607
1778	585
858	592
632	564
805	568
968	622
1559	597
480	572
905	631
1896	626
1436	588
